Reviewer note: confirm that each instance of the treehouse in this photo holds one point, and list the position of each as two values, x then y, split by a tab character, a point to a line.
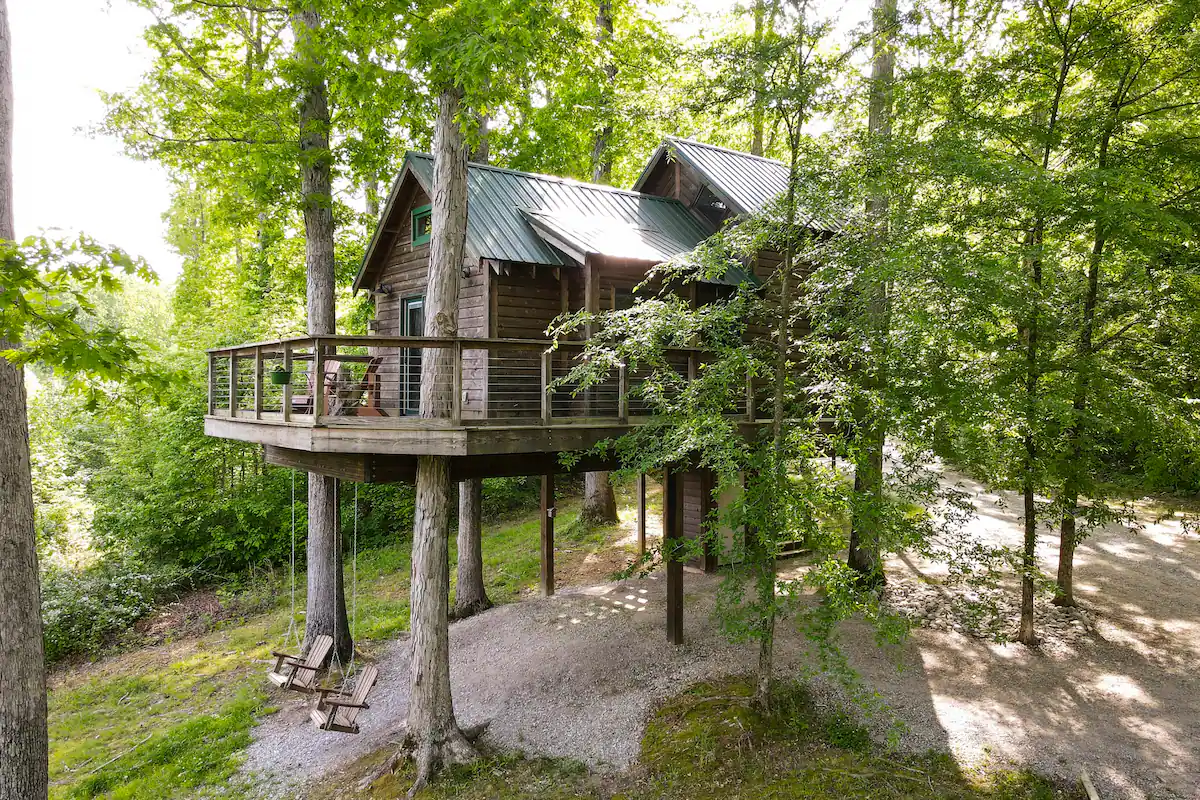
536	246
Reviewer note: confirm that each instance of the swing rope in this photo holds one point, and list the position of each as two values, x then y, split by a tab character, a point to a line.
292	636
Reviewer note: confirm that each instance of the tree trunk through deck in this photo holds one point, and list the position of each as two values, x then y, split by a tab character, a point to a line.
433	733
599	502
23	743
864	553
470	595
326	607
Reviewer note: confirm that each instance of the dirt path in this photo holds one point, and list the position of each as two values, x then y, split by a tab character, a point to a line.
577	674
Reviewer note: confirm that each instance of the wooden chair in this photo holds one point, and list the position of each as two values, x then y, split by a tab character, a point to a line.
301	675
336	710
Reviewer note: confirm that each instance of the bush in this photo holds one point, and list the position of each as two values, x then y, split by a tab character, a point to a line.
503	496
83	609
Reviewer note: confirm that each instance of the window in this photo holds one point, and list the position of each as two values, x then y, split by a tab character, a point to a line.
422	224
412	323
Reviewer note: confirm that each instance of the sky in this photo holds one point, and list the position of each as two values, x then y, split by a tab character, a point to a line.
63	52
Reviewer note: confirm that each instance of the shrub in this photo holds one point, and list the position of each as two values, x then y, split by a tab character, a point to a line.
82	609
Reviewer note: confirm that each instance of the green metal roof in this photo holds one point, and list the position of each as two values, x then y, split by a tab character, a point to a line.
746	184
513	216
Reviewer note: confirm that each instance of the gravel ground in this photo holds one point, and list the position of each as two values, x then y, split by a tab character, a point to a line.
577	674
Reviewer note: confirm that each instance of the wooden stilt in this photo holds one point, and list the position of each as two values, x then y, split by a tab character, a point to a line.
672	533
641	513
548	509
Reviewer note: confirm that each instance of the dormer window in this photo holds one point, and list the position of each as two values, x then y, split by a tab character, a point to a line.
422	224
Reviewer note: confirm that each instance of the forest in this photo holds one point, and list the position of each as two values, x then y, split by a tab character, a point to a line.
972	353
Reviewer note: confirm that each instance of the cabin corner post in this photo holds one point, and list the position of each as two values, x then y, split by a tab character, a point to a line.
672	533
547	538
287	387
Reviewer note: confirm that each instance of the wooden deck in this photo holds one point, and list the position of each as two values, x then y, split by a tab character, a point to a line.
508	397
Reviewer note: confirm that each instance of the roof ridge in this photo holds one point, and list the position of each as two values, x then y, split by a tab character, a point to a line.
729	150
554	179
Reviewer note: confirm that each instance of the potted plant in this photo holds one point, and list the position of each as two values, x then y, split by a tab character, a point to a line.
281	376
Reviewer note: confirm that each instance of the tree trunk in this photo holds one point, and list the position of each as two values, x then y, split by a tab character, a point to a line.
602	161
371	190
864	550
756	101
482	150
470	595
599	502
24	765
433	732
1027	634
326	599
1068	536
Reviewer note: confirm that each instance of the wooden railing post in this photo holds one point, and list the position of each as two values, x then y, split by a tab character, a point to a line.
547	373
749	396
212	384
622	395
258	382
318	380
287	387
233	384
456	401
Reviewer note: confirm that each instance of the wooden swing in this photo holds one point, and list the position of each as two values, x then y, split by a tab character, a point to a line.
337	710
301	675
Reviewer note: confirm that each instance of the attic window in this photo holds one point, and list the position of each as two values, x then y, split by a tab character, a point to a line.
422	224
710	206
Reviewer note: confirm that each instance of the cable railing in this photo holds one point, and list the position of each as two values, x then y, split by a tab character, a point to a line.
376	381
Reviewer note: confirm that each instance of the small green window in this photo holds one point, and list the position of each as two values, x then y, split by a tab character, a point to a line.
422	224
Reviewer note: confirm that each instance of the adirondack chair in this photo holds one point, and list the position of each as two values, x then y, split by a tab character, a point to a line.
345	396
337	710
301	674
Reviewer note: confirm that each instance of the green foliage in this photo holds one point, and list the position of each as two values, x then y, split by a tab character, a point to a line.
83	609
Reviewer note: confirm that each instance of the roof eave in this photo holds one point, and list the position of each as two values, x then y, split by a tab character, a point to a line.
386	215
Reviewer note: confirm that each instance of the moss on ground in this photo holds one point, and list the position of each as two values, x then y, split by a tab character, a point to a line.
709	743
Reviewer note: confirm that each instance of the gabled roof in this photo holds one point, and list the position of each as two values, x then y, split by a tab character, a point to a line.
746	184
536	219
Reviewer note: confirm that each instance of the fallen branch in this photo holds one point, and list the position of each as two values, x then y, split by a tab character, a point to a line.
118	756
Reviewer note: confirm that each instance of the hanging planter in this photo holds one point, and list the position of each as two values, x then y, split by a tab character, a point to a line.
281	376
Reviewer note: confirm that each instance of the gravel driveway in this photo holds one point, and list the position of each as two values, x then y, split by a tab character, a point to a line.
577	674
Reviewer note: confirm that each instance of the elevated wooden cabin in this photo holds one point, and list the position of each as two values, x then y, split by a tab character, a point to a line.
536	246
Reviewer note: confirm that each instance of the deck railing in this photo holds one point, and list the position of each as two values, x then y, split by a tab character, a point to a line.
375	380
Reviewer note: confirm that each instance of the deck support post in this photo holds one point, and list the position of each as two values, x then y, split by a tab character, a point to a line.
212	384
641	513
547	379
233	384
258	382
318	381
456	383
622	395
287	387
548	511
672	533
749	396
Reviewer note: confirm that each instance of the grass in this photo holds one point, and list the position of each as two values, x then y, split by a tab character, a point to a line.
709	743
171	721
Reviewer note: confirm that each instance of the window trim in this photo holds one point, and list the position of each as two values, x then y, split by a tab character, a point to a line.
417	213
